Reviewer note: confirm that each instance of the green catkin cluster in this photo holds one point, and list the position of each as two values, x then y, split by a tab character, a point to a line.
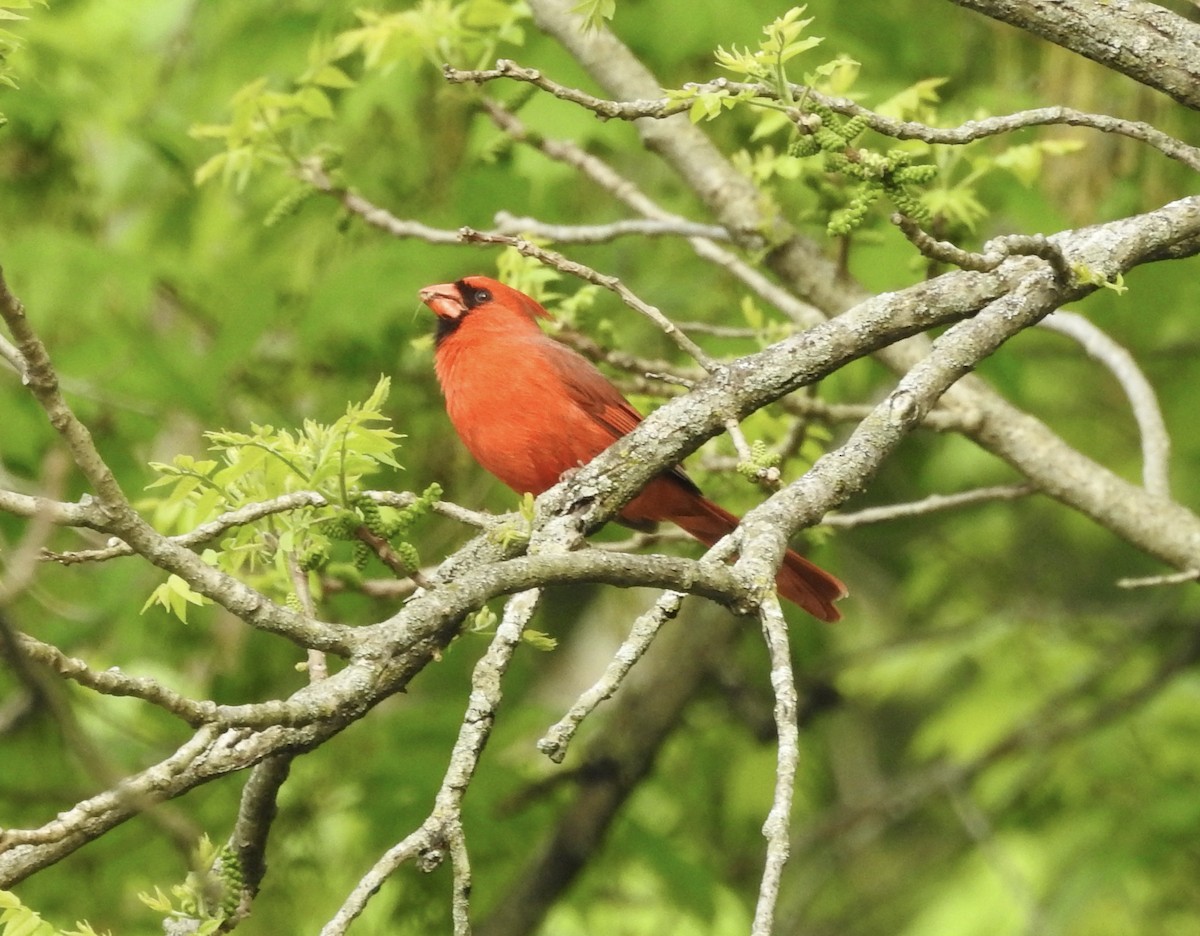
876	174
761	459
390	526
419	508
228	871
362	555
342	526
315	558
393	531
289	204
372	516
408	555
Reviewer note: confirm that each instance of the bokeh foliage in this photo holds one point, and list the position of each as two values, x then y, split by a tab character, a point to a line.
172	308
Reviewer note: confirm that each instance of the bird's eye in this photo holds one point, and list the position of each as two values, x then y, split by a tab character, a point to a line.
472	295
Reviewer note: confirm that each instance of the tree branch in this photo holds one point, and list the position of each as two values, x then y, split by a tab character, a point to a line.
557	739
1145	41
442	829
603	233
615	761
1156	441
115	683
661	108
1015	437
612	283
257	810
115	514
931	504
777	828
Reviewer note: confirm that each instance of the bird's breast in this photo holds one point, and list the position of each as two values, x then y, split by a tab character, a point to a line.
515	414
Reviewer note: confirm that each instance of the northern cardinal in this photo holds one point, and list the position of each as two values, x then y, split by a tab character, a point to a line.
531	409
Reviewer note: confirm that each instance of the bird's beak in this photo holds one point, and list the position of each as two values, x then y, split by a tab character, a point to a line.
444	299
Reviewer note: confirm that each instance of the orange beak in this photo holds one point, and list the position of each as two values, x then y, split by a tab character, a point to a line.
444	299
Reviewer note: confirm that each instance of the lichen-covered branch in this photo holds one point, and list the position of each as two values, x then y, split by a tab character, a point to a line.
663	107
1145	41
442	832
612	764
777	827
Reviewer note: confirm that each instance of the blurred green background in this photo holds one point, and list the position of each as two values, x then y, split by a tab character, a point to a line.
170	309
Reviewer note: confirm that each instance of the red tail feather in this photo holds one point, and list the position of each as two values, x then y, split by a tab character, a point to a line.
800	581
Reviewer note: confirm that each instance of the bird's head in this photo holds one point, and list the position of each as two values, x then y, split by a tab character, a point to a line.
479	299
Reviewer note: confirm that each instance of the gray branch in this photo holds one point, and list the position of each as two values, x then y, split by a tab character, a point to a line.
1145	41
1156	440
660	108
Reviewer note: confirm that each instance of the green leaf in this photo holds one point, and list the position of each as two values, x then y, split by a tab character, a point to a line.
539	640
914	101
330	76
958	204
18	920
1025	160
595	12
175	595
315	102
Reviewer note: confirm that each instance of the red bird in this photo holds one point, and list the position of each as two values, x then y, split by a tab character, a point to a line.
530	409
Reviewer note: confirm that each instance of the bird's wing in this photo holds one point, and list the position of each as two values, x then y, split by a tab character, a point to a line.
597	396
591	390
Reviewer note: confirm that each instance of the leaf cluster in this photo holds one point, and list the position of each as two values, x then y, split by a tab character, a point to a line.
333	460
208	895
825	152
281	128
11	41
16	919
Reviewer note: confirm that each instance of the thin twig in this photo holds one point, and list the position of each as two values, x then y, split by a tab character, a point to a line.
389	557
22	559
443	828
252	513
11	356
1156	440
379	217
1185	577
776	828
574	268
293	712
626	191
967	132
42	381
927	505
603	233
84	514
203	534
132	792
944	251
113	682
769	476
316	664
994	253
557	739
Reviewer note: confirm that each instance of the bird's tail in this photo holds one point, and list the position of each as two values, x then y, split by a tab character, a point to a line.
800	581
